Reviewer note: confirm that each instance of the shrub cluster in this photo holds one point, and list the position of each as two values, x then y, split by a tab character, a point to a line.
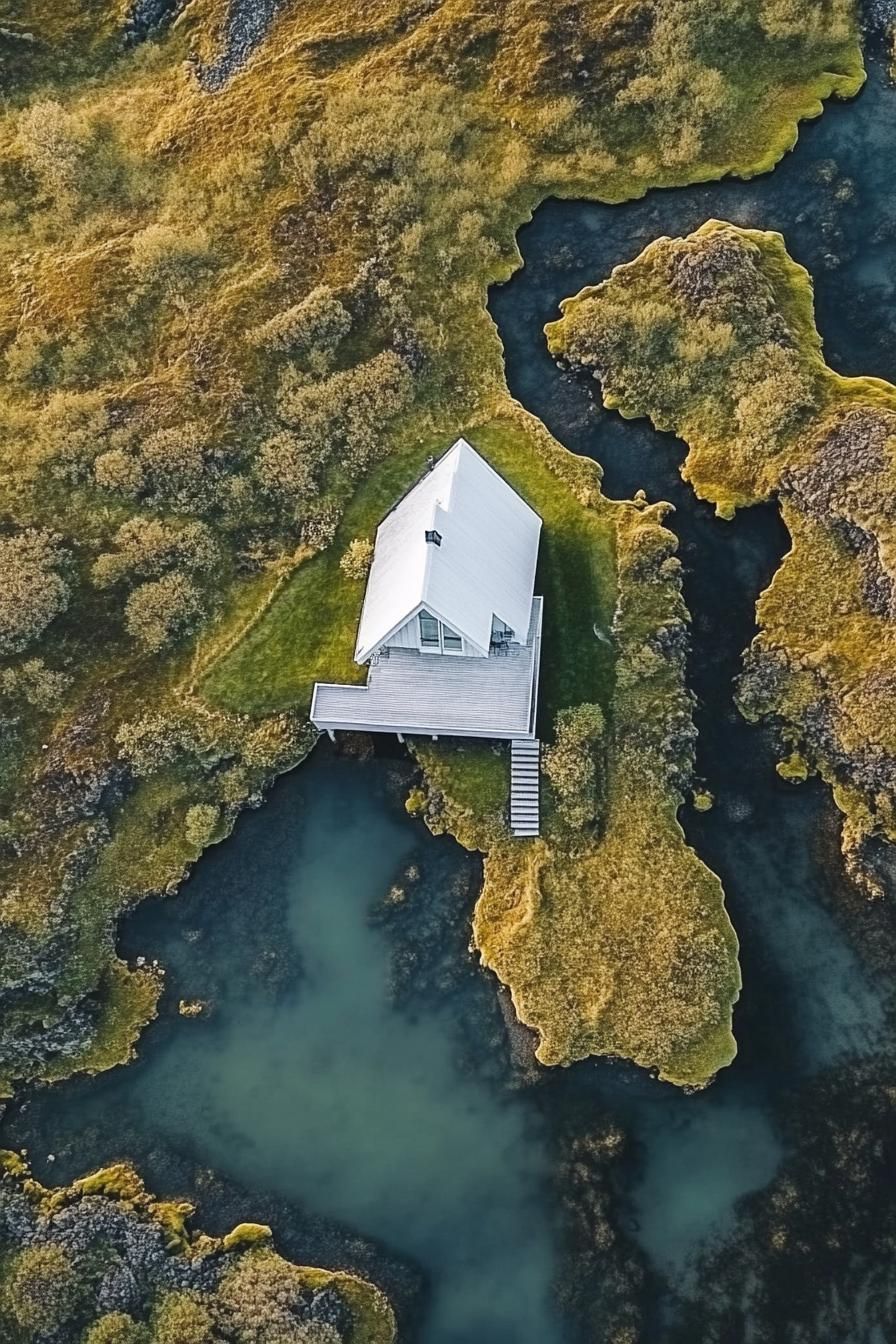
573	764
99	1263
33	586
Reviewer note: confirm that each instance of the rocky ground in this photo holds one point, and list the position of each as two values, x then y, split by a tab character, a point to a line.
245	28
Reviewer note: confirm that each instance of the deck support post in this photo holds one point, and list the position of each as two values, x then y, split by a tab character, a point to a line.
435	737
331	735
400	736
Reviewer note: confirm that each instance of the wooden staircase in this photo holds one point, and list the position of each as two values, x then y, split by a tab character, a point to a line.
524	785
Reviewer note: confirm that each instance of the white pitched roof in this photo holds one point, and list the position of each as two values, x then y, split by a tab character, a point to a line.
484	566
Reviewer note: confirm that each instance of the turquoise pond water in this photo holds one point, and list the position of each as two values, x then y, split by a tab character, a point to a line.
353	1080
306	1079
333	1098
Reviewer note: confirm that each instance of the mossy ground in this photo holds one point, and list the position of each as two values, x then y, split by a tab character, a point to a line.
248	1268
614	940
391	156
277	663
743	381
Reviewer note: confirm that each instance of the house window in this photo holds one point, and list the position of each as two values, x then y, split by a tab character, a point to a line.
436	637
429	631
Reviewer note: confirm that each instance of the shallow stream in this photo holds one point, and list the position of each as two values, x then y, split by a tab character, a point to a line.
351	1080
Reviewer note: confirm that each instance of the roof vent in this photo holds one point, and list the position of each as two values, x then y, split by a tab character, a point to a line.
433	536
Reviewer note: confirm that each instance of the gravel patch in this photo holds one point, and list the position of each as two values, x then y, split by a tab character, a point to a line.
147	17
246	27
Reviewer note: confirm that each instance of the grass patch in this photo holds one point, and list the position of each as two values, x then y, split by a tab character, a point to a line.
475	774
308	633
467	790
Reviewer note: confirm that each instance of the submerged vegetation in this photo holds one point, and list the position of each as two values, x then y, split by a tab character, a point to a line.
242	298
809	1257
713	336
101	1262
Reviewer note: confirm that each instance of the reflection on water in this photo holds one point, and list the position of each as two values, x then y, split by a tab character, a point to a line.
335	1099
698	1161
807	1003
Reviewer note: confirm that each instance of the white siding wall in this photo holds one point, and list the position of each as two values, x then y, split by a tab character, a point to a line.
406	637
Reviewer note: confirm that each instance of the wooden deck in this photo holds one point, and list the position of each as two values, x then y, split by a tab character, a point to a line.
435	695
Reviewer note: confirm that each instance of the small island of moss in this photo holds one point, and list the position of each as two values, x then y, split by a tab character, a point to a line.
713	337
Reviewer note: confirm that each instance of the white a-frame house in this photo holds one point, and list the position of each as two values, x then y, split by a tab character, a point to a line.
450	627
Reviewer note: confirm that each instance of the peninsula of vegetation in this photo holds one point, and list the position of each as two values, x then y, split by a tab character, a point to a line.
242	300
713	337
588	940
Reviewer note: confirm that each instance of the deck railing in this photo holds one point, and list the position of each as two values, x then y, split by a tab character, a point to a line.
536	666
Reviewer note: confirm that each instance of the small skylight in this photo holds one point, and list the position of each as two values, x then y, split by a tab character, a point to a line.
433	536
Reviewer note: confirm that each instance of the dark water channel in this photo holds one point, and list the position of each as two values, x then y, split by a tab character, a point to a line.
352	1081
808	1000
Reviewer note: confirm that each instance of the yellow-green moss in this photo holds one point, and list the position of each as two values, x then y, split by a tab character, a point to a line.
373	1321
793	768
617	942
247	1246
767	418
478	138
245	1235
